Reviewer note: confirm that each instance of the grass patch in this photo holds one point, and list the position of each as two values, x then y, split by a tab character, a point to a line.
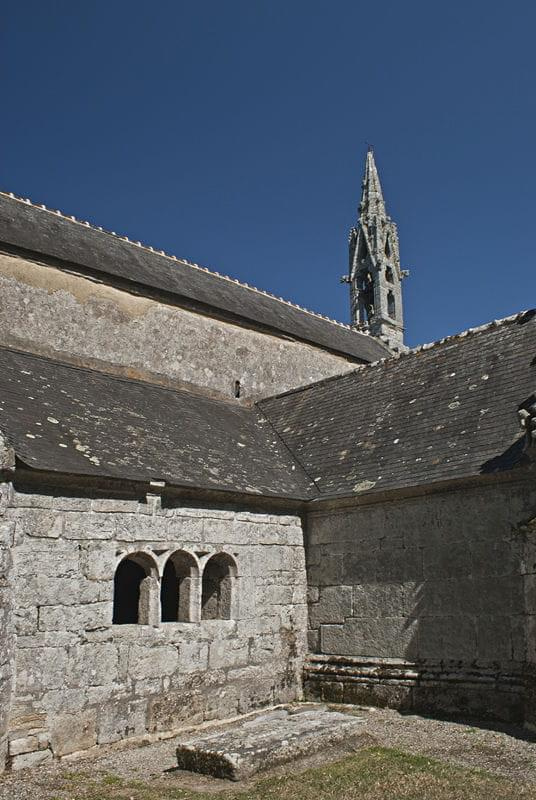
372	774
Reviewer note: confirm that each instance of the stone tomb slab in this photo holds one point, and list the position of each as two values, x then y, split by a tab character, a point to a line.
266	741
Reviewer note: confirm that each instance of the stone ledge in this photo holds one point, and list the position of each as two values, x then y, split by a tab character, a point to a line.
452	688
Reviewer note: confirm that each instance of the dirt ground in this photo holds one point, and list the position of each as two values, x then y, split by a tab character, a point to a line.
501	750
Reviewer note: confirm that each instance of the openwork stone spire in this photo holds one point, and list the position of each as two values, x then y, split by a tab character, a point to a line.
375	275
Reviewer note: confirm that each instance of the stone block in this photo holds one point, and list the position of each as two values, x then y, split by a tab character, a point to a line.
50	558
73	503
373	600
222	702
98	561
356	568
50	591
152	662
27	500
64	700
175	709
113	505
385	637
25	744
330	571
313	641
25	620
81	526
119	719
71	733
40	669
333	606
226	653
494	638
444	559
265	741
91	616
40	523
193	656
313	594
92	665
30	760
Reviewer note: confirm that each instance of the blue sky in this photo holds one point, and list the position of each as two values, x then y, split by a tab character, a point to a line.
232	133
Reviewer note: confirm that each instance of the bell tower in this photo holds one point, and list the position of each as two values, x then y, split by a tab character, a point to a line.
375	276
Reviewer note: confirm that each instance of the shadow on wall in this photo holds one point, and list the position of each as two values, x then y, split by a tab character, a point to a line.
437	586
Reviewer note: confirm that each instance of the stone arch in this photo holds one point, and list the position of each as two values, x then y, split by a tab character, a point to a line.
179	596
135	589
219	576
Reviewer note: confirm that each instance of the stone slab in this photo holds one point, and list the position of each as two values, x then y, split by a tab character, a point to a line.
266	741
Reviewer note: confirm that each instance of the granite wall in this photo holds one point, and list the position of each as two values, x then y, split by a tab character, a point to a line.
61	315
425	603
82	681
6	618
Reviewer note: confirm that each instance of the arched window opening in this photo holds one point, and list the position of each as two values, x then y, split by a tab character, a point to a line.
391	307
237	388
389	274
387	249
366	291
178	588
134	583
217	588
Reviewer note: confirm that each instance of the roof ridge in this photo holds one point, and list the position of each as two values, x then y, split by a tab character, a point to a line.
193	264
496	323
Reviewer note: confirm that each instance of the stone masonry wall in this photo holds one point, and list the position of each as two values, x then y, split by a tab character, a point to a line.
81	681
426	602
529	533
53	313
6	620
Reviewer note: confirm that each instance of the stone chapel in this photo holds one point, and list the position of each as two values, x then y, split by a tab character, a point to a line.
213	500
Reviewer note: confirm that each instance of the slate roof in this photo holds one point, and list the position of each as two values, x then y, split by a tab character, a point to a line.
446	411
63	419
47	233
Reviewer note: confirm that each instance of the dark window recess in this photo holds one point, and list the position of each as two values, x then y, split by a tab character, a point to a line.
391	307
177	586
237	388
389	274
127	583
217	587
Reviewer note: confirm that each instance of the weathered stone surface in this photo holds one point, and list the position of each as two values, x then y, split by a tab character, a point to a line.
100	325
25	744
30	759
266	741
73	732
75	618
334	605
82	680
119	719
443	577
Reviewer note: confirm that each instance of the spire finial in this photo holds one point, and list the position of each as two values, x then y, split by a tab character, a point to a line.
372	202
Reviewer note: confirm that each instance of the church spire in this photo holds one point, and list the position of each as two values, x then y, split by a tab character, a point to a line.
372	196
375	274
